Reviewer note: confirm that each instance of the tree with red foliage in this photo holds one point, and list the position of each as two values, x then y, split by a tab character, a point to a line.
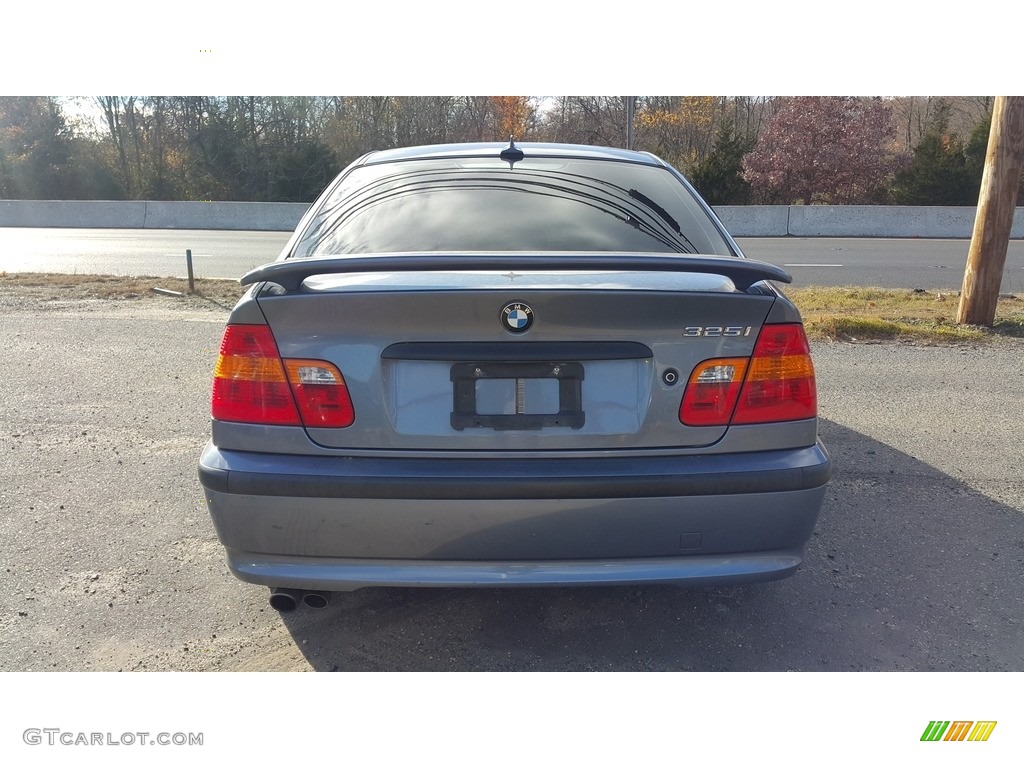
824	149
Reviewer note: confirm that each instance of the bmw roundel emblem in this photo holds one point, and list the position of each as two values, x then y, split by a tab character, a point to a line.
517	316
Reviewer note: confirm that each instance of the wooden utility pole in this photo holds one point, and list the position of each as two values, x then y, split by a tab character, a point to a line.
1004	161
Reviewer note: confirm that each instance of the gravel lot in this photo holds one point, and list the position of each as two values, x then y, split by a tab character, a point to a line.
110	562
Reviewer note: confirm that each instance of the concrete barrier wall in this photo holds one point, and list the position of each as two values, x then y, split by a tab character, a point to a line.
251	216
152	214
740	220
96	214
854	221
755	220
880	221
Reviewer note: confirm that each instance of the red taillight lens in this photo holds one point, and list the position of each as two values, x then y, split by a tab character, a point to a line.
712	391
321	393
252	384
778	384
249	383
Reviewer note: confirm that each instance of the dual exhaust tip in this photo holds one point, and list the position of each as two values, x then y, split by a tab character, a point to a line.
285	600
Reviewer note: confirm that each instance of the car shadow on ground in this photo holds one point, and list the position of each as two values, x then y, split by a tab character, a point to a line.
908	569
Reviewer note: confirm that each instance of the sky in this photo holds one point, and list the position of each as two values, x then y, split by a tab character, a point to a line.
458	46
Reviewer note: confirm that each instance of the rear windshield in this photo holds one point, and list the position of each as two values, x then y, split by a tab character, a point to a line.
539	204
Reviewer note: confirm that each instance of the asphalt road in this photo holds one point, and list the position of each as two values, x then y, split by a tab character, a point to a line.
136	252
929	264
895	263
109	560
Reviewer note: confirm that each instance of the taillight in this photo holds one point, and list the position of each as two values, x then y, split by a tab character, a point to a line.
249	382
712	391
780	381
778	386
321	393
252	384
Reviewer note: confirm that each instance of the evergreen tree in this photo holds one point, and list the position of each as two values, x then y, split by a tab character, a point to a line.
719	177
944	170
976	147
35	150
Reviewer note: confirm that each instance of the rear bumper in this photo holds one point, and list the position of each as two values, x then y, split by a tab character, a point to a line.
343	523
336	574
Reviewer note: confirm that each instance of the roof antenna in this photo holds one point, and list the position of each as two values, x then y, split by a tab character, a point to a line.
511	154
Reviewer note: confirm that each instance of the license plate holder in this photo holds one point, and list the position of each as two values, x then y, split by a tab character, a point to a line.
569	376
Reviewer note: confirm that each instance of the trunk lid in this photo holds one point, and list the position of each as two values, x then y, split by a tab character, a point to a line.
515	360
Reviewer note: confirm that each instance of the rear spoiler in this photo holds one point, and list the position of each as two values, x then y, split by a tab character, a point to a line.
290	273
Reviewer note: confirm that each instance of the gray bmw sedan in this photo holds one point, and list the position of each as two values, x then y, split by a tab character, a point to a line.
501	365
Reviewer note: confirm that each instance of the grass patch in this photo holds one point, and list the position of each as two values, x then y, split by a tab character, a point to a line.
881	314
56	287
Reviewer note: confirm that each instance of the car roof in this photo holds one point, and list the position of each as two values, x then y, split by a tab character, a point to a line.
492	149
